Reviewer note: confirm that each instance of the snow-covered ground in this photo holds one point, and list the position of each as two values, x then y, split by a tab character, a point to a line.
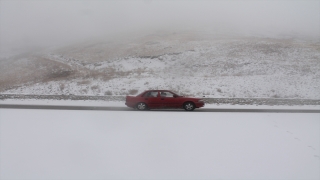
60	144
229	87
187	63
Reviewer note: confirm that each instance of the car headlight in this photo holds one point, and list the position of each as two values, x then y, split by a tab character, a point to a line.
201	100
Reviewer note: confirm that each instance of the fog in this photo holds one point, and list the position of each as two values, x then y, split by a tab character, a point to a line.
41	24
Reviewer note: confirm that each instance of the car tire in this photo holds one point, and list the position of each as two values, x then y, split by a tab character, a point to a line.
142	106
189	106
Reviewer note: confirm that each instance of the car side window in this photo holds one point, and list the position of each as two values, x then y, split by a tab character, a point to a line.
166	94
151	94
154	93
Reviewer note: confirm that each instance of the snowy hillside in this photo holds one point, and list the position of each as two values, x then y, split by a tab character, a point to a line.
188	63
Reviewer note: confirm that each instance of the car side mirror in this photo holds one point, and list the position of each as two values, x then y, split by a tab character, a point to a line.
175	96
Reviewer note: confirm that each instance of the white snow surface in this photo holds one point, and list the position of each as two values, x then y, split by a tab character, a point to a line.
235	67
229	87
60	144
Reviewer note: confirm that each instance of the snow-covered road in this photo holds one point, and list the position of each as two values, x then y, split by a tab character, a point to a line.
57	144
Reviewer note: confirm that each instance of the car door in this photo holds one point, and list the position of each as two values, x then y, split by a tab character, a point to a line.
168	100
152	99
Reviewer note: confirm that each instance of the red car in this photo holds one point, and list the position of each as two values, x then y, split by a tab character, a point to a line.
159	99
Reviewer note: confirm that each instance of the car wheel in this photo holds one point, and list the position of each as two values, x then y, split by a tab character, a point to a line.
189	106
142	106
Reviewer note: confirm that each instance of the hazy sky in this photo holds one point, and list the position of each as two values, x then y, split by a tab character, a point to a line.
29	23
